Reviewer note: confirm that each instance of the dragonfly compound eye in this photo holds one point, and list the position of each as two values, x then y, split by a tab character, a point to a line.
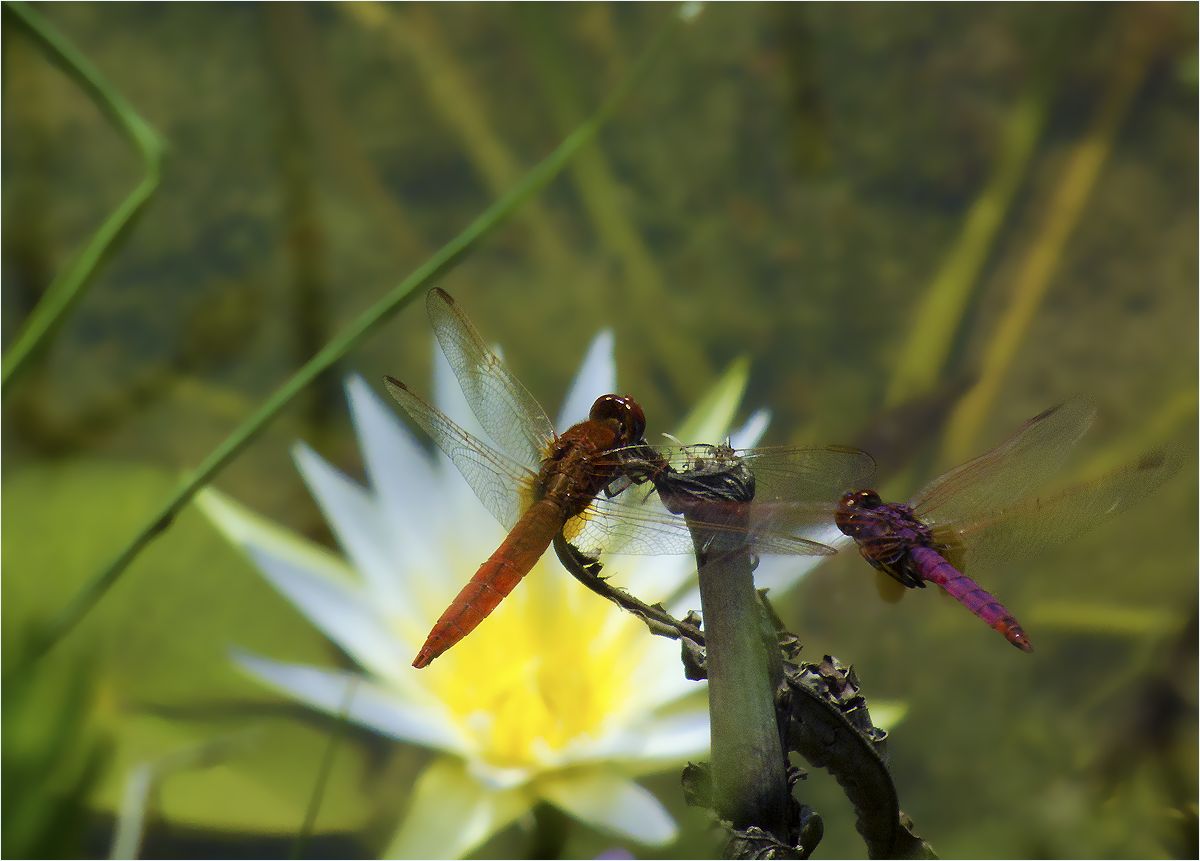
868	499
851	517
625	411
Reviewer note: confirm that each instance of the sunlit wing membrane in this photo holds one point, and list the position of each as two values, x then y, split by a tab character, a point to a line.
811	476
505	408
1010	471
504	486
792	512
634	524
1009	535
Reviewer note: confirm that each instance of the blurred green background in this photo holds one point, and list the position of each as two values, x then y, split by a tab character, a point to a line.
922	224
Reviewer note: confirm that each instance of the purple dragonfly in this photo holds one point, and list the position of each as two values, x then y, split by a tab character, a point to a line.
981	513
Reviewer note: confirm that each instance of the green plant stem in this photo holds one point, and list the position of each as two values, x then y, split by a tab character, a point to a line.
441	262
335	736
749	777
749	768
454	97
70	284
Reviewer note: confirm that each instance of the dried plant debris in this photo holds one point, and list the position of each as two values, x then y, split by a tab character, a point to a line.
825	720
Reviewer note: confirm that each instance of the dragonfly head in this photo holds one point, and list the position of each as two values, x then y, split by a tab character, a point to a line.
625	412
851	517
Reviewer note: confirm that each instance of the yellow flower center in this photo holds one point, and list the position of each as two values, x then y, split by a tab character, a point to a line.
549	667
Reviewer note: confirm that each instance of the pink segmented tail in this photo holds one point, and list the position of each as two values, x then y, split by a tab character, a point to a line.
970	594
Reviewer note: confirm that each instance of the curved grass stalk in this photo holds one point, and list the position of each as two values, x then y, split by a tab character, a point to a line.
71	283
441	262
1063	210
938	319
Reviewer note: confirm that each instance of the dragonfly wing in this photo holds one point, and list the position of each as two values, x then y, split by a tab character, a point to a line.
1010	471
808	476
504	486
1015	533
792	513
636	522
505	408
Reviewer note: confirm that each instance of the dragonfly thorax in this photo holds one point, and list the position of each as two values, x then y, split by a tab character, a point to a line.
863	516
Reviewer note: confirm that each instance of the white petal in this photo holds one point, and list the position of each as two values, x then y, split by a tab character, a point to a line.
651	745
358	525
244	528
610	802
597	376
379	708
782	573
672	739
341	611
317	583
450	814
399	468
658	676
752	431
688	600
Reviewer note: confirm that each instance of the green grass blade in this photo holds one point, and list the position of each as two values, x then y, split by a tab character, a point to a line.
441	262
70	284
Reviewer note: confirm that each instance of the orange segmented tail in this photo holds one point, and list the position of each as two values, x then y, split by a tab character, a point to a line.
496	577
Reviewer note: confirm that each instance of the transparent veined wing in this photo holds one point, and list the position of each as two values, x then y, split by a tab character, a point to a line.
1009	472
796	491
1016	532
511	416
504	486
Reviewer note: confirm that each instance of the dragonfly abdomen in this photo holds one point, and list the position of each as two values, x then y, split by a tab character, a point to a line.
932	567
495	579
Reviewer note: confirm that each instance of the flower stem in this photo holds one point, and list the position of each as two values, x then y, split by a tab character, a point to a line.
331	746
441	262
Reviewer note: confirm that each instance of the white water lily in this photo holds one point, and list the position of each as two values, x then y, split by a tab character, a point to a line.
558	696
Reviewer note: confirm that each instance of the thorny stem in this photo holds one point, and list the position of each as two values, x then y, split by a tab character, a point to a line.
441	262
657	619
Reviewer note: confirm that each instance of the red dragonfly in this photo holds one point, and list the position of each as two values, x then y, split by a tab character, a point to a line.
538	483
981	513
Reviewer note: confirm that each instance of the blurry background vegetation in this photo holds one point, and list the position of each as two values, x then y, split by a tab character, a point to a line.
879	206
